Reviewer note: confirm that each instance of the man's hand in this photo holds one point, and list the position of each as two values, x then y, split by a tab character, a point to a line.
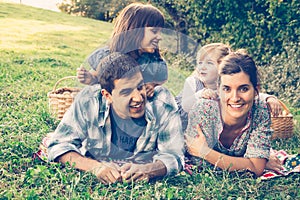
134	172
107	172
139	172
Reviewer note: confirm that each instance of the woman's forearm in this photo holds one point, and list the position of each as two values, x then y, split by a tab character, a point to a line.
225	162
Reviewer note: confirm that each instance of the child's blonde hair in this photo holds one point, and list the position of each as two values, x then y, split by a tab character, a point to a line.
215	50
219	50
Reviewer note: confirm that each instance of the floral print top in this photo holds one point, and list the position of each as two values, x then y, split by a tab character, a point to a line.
254	139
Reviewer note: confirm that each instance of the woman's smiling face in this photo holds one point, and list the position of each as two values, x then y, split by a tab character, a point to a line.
236	96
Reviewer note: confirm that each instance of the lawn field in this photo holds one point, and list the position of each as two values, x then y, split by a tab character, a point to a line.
39	47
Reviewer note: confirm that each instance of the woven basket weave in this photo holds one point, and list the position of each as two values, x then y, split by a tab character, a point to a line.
60	99
283	126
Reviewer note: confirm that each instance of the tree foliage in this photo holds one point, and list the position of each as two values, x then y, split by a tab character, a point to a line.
281	77
261	26
268	29
105	10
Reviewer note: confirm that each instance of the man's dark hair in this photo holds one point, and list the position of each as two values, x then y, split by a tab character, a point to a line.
116	66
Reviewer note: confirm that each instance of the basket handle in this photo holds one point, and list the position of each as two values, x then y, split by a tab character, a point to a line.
284	107
64	78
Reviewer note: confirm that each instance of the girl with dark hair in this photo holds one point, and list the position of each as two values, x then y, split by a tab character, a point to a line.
136	32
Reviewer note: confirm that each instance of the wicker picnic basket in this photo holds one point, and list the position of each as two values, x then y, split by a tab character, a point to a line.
283	124
60	99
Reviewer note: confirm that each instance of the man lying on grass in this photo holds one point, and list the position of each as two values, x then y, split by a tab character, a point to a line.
113	131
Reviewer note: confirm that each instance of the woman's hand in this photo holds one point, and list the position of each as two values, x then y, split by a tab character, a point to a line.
197	146
274	163
274	105
150	89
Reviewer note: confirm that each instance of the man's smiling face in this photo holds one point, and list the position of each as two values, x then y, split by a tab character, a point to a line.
128	98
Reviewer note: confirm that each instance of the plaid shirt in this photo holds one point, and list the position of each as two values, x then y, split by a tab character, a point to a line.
86	129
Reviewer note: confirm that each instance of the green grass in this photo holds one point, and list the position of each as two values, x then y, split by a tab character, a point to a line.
37	48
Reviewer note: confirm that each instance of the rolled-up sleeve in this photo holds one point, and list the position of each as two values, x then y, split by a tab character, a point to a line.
171	144
68	135
170	141
73	129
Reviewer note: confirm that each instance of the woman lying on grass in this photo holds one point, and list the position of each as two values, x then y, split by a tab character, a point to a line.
234	132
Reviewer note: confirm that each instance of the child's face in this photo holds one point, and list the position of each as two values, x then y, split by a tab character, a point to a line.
151	39
207	69
150	88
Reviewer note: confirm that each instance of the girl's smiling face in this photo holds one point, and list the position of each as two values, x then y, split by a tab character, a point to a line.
152	36
236	96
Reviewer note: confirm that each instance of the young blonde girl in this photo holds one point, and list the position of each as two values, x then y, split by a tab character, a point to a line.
202	83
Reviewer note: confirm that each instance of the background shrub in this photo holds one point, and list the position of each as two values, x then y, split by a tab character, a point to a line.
281	77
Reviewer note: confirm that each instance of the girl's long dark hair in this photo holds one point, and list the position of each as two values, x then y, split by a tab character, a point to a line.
130	26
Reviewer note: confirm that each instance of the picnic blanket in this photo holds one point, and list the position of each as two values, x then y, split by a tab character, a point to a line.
42	153
290	164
